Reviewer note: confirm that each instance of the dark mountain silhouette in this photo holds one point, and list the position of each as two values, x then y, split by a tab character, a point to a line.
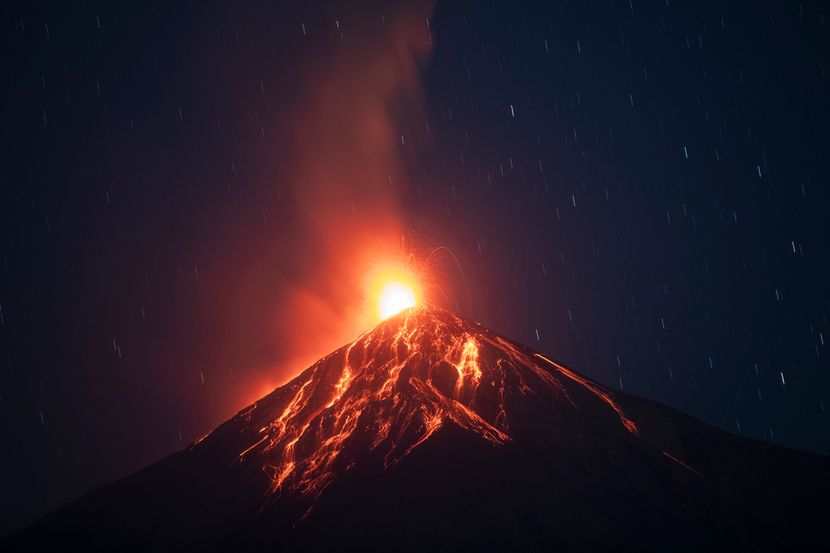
431	432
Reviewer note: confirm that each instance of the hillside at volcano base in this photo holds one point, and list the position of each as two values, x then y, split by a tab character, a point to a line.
432	432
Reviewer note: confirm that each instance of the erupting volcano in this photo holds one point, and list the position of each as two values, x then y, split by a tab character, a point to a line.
433	432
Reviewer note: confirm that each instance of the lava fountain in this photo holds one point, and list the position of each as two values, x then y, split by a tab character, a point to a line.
391	288
394	298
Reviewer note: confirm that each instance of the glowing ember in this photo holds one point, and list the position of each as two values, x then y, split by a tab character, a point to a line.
394	298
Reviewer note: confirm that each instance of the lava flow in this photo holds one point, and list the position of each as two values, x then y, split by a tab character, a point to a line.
430	432
390	390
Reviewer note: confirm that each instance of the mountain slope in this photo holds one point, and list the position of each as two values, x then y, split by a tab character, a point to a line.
432	432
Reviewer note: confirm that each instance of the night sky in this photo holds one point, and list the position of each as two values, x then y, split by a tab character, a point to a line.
192	193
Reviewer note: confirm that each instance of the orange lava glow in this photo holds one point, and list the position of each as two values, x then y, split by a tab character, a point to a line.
392	288
394	298
596	389
332	184
393	388
682	464
365	387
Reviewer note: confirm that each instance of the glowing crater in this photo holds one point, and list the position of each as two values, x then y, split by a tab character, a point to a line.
395	297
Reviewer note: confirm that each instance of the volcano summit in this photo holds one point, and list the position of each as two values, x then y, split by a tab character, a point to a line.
431	432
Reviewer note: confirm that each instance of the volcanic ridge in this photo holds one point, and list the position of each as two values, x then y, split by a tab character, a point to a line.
433	432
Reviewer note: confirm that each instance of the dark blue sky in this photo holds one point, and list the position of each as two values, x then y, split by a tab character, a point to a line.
637	189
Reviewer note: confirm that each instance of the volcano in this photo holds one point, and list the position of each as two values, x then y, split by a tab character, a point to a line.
432	432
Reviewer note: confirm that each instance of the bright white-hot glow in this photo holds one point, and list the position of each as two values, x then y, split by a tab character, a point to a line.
390	287
394	298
